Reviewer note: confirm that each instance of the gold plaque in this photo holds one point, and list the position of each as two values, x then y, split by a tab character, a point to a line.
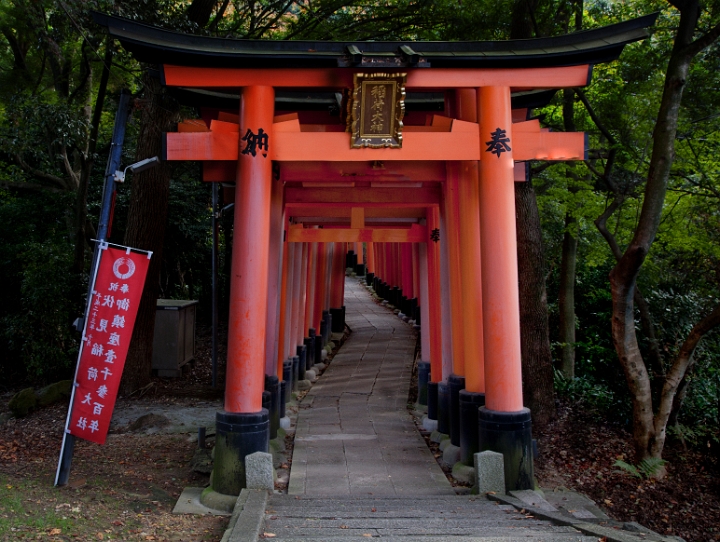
377	109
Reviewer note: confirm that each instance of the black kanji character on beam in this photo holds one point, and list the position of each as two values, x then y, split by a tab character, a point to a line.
254	142
435	235
499	142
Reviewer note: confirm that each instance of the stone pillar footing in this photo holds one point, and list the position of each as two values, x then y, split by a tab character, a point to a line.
509	433
470	403
455	383
423	378
432	397
237	436
272	385
443	408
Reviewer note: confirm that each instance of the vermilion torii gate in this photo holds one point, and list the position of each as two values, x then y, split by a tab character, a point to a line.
431	200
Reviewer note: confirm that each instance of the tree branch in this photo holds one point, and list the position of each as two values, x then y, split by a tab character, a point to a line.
59	181
29	187
704	41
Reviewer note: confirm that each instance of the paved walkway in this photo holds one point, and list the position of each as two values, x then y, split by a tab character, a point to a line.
354	435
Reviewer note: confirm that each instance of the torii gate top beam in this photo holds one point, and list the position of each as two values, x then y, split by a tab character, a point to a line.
159	46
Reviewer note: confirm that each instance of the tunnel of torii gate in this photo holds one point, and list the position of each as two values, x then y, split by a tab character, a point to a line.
403	155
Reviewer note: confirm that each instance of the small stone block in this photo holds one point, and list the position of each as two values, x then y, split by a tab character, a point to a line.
489	473
285	423
429	425
463	473
437	437
259	471
304	385
309	375
451	454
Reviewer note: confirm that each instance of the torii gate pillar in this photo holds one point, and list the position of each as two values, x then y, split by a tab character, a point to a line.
243	426
504	424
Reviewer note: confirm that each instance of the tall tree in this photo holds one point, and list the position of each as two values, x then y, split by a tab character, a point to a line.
649	424
537	366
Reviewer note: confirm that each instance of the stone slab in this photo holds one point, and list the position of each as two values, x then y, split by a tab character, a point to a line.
189	503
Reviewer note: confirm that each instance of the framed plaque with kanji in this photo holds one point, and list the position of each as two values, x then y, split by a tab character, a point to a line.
377	109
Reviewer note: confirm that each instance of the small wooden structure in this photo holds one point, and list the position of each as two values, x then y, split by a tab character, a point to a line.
406	152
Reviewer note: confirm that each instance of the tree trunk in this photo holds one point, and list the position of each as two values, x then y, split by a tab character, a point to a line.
649	430
566	298
147	218
537	367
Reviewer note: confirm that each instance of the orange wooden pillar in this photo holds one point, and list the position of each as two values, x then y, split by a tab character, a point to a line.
452	227
504	425
319	289
286	305
406	270
472	397
435	313
310	287
298	309
272	326
337	273
456	381
370	257
284	356
243	427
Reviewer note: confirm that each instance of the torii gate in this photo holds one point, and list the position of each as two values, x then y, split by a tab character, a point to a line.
436	210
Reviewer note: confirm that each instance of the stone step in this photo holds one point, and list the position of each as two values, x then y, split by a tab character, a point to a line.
441	538
533	498
441	518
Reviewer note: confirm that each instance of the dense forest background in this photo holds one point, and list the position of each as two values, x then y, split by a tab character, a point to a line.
654	148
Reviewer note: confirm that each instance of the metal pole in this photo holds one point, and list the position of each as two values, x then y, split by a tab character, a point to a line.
215	221
113	164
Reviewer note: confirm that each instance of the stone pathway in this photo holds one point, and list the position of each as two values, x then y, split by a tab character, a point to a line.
354	435
360	468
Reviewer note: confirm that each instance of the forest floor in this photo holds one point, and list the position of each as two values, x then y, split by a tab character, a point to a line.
126	489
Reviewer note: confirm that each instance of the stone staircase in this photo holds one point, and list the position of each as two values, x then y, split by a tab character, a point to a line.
446	518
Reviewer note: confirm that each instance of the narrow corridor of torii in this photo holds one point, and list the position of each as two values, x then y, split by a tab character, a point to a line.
413	169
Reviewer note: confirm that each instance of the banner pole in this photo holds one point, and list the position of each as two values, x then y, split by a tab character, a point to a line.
113	164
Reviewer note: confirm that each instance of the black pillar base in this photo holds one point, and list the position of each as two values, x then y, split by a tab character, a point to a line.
360	270
272	386
237	436
470	403
323	328
283	386
411	307
369	278
309	354
455	384
443	408
327	317
509	433
267	400
349	258
318	350
337	322
432	398
298	366
287	382
423	379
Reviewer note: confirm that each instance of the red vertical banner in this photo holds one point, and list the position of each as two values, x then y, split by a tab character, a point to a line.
108	328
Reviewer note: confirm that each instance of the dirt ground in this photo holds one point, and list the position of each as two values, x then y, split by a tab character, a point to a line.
123	490
126	489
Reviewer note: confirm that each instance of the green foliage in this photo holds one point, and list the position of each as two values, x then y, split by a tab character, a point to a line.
594	397
40	297
647	468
